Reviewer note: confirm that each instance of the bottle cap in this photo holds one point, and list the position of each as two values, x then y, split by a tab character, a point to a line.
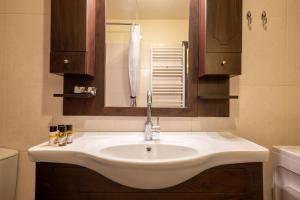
53	128
61	128
69	127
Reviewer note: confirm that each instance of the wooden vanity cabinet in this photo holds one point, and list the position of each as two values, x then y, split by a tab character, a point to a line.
71	182
220	37
73	37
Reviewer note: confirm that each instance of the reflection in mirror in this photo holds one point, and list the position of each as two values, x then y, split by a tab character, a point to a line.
146	49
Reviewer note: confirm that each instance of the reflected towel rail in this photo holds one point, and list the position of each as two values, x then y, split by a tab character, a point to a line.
121	24
168	76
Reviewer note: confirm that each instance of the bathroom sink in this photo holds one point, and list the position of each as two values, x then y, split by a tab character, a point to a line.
148	152
129	160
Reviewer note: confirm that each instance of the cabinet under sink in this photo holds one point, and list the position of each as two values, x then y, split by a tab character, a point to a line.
56	181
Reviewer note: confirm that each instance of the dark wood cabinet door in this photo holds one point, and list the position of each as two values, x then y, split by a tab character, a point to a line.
73	37
226	64
69	25
220	37
68	63
228	182
224	26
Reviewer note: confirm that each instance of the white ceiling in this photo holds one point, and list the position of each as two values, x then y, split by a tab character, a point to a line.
147	9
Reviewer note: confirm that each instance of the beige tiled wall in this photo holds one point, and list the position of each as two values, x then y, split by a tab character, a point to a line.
267	111
25	83
269	88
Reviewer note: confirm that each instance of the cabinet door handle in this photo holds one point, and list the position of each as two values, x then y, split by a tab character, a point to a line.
224	62
66	61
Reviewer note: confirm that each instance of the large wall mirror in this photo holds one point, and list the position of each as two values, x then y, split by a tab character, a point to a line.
147	49
169	47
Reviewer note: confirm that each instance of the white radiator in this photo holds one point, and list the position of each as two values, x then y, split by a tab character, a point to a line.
168	76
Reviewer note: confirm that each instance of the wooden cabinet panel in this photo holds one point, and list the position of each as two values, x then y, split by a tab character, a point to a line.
223	63
73	30
220	37
224	26
68	62
68	25
60	181
141	196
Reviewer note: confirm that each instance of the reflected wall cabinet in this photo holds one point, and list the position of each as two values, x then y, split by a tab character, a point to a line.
220	40
73	37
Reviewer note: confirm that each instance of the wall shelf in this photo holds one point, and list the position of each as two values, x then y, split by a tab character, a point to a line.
75	96
217	97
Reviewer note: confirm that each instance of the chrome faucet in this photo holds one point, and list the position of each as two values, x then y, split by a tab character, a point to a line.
149	128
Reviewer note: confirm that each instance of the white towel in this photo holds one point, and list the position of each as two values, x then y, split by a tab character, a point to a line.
134	59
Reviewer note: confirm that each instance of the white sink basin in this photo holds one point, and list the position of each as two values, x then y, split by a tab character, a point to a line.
148	152
129	160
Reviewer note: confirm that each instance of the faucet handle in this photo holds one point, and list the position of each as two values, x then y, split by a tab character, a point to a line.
157	127
149	98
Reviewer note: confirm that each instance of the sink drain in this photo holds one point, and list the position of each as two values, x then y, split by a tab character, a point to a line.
149	149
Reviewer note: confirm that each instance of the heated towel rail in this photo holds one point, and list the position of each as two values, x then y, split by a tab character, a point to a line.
168	74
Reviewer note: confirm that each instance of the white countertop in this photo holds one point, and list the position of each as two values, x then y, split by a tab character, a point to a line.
210	149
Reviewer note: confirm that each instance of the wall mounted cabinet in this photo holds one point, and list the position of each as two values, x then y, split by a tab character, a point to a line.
220	40
73	37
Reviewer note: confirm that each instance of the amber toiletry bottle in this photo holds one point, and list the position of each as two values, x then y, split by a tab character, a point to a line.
53	136
61	136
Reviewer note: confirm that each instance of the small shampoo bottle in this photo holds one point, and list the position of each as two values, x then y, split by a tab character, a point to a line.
53	136
62	136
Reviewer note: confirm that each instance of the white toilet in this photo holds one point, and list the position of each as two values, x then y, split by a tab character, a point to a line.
286	172
8	173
